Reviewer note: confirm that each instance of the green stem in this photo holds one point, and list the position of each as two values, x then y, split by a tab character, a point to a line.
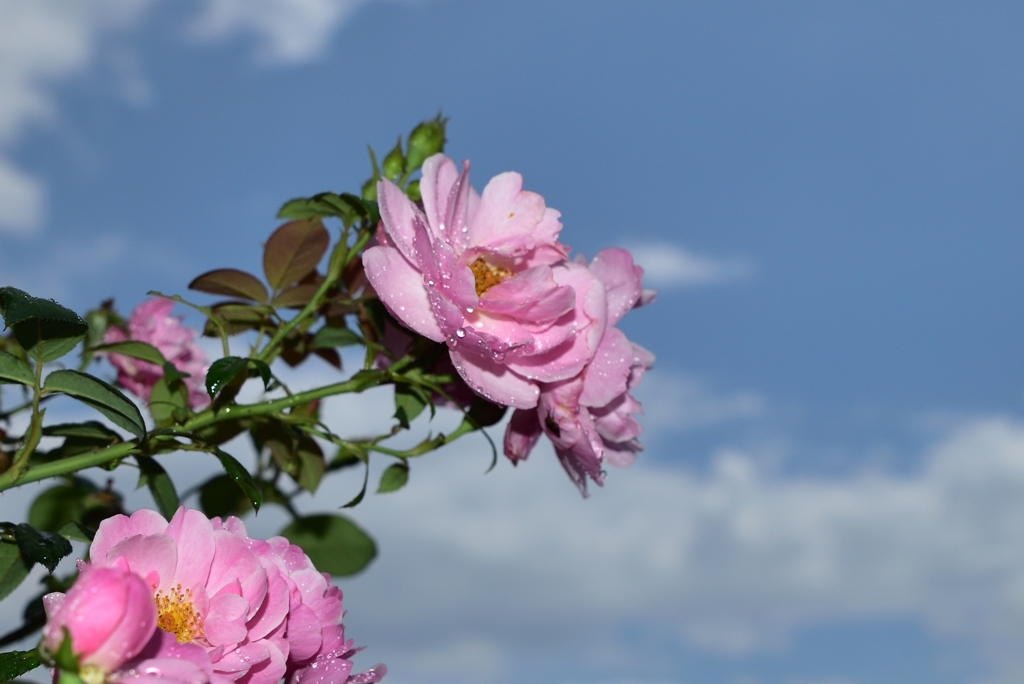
68	465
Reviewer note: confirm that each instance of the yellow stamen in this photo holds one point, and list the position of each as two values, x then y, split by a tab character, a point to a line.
487	275
177	615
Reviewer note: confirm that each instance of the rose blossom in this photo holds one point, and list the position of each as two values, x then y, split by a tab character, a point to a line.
152	322
486	274
259	609
589	417
108	614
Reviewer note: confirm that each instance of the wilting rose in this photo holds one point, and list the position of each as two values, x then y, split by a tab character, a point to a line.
152	322
589	417
486	274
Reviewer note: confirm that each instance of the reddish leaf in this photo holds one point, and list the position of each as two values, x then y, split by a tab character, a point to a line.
297	296
293	251
231	282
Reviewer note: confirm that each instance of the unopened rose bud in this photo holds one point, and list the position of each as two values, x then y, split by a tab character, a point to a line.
426	140
108	614
394	163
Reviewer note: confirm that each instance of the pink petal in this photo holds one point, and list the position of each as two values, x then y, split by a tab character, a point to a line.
495	382
119	527
156	554
274	609
224	623
608	372
401	289
507	215
400	218
242	658
303	632
621	277
269	671
521	435
530	296
232	561
193	534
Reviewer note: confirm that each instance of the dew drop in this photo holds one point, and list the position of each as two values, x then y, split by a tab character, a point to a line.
470	309
460	332
430	283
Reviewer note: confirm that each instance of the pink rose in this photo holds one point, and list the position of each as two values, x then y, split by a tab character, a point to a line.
152	322
260	610
486	274
589	417
109	615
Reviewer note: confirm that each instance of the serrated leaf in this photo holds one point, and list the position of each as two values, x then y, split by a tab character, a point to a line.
13	568
335	544
241	476
13	664
393	478
322	205
13	369
103	397
330	338
42	326
293	251
153	475
133	348
231	282
46	548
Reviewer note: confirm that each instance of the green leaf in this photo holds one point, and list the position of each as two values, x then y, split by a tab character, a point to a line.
41	326
47	548
231	282
321	205
168	400
335	544
13	664
329	338
220	497
103	397
223	371
237	472
56	507
293	251
89	430
133	348
426	139
410	401
484	413
13	568
153	475
394	478
297	296
75	532
13	369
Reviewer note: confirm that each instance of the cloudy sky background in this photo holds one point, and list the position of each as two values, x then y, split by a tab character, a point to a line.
829	198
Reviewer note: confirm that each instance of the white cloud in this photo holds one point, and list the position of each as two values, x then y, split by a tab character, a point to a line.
287	31
41	43
731	563
667	265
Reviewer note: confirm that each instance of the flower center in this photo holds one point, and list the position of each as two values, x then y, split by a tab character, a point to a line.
487	275
176	614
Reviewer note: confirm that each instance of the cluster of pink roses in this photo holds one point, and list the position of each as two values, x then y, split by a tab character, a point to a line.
526	326
152	322
197	601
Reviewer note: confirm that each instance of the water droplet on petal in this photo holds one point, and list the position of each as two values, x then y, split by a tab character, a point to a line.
460	332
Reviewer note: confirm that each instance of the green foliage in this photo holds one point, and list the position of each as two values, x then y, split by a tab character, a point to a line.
334	543
231	282
229	369
13	664
329	338
394	162
13	369
46	548
78	502
13	567
393	478
153	475
241	477
293	251
100	395
410	400
42	327
133	348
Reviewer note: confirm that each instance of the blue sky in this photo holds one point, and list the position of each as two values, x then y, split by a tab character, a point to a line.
829	198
